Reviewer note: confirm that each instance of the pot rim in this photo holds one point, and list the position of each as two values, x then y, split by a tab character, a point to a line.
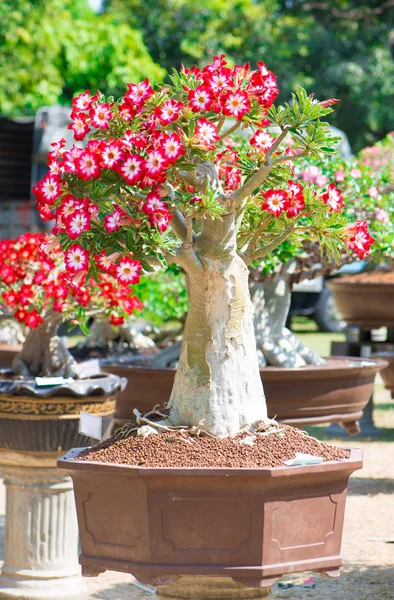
354	362
373	286
70	463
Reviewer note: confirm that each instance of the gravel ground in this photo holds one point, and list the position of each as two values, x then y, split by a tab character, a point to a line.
368	540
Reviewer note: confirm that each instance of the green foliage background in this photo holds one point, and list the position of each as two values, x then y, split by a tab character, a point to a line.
52	49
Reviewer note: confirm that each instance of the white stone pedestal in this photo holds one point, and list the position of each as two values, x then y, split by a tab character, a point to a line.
41	532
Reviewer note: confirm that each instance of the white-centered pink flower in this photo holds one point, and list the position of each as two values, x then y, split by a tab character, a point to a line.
128	270
276	201
172	147
236	104
207	133
200	99
77	224
262	140
87	166
333	198
155	163
76	259
373	192
132	170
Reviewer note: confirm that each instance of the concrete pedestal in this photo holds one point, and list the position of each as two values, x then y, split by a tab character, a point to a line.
41	532
209	588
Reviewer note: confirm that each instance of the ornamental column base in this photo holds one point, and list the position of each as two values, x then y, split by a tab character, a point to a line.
41	532
209	588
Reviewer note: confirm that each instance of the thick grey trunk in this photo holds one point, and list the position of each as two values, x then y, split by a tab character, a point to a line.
44	354
217	384
277	345
101	332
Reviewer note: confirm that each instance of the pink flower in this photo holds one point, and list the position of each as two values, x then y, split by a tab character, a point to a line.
358	238
104	262
200	98
168	112
132	170
76	259
321	180
87	166
340	175
382	215
111	154
236	104
153	203
48	189
262	140
276	201
356	173
83	102
77	224
156	163
373	192
138	93
296	199
115	220
161	219
128	270
333	198
206	133
79	125
310	173
100	115
172	147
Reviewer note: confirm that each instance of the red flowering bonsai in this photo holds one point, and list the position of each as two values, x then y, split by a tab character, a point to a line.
36	289
165	178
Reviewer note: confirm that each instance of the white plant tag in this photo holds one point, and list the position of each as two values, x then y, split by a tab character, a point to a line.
89	368
41	381
303	459
90	425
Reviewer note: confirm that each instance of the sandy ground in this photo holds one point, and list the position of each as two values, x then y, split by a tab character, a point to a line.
368	540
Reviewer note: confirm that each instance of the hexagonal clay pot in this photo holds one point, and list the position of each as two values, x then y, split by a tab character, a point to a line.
365	304
333	393
253	525
46	419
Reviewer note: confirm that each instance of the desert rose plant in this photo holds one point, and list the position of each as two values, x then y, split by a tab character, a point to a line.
364	190
164	180
37	291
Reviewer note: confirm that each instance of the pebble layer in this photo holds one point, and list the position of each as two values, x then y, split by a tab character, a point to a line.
370	277
180	449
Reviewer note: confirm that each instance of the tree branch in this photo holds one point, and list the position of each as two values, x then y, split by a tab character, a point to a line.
263	252
231	130
179	226
282	159
263	225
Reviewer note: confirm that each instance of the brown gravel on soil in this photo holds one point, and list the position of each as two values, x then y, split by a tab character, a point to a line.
369	277
180	449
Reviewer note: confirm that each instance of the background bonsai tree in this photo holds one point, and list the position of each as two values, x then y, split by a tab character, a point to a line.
37	291
162	181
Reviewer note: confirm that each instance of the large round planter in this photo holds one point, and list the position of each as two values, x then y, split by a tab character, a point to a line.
36	419
8	353
365	304
334	393
253	525
388	373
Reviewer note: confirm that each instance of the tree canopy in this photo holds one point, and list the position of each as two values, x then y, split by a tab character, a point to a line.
51	49
340	48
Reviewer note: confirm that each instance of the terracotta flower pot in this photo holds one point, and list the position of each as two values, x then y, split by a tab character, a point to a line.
388	373
34	419
334	393
8	353
369	305
253	525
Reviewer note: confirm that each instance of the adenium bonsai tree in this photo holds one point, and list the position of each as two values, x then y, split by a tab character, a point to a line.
163	179
37	291
364	189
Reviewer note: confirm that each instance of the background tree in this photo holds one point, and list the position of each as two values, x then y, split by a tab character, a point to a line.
51	49
341	48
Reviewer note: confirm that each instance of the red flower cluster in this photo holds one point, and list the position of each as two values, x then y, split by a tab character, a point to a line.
33	282
358	239
291	201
